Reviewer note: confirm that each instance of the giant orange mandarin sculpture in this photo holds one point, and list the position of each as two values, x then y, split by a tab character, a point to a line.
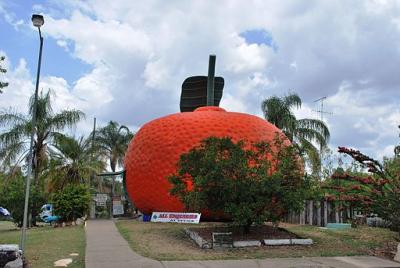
155	150
153	153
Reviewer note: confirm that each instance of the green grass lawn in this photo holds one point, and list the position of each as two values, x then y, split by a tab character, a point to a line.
167	241
45	245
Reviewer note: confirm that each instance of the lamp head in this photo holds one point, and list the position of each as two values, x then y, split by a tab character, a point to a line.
37	20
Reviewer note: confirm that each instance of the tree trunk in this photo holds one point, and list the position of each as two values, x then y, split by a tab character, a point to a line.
246	228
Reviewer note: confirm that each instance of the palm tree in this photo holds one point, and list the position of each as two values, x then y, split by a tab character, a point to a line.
113	140
14	142
72	161
303	132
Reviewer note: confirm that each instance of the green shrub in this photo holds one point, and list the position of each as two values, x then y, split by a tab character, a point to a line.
12	197
71	203
250	183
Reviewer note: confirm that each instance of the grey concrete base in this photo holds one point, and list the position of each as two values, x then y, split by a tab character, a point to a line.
18	263
249	243
397	256
202	243
8	253
281	242
276	242
9	247
301	241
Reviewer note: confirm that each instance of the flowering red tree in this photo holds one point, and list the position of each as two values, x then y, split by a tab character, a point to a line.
378	192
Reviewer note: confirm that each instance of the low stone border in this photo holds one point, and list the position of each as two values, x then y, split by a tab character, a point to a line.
248	243
284	242
202	243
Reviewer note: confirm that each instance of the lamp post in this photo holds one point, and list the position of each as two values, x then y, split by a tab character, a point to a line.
37	21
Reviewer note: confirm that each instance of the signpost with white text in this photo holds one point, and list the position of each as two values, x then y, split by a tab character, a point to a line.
176	217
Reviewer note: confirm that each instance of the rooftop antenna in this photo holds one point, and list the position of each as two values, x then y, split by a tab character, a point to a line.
321	116
321	108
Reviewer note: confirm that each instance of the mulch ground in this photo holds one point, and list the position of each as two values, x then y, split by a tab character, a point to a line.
256	233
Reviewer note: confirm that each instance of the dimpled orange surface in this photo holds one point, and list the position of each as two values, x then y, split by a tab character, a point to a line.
154	151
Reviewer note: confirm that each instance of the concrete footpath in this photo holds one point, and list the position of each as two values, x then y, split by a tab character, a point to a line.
105	248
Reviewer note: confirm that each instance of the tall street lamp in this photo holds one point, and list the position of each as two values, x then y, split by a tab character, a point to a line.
37	21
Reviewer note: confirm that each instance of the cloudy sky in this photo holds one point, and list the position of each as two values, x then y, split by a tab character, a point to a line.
125	60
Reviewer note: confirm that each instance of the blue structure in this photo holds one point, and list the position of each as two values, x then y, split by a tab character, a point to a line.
47	214
338	225
4	212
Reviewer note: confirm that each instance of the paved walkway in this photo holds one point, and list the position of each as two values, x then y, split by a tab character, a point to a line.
105	248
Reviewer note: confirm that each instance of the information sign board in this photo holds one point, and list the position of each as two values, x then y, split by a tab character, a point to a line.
101	200
175	217
118	208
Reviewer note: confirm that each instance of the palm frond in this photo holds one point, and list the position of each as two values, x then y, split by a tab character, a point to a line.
316	125
11	118
66	118
9	154
312	153
292	100
72	161
113	141
43	105
311	135
16	134
275	111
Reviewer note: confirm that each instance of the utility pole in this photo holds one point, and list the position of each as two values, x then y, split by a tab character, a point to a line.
92	152
38	22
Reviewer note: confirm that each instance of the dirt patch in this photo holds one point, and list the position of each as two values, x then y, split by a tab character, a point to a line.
387	250
256	233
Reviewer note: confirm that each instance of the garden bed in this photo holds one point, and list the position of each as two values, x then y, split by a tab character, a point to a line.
257	236
168	241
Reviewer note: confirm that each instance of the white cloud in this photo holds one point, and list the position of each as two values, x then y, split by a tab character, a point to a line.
156	73
10	17
388	151
140	53
63	44
247	58
20	87
97	41
362	120
232	104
